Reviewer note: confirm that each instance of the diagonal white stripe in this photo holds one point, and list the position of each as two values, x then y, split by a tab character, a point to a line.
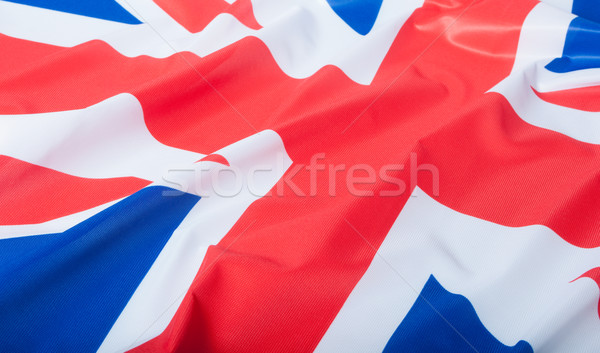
260	161
518	280
303	35
57	225
106	140
542	40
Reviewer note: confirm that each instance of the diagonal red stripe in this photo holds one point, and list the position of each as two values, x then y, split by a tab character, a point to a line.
33	194
585	98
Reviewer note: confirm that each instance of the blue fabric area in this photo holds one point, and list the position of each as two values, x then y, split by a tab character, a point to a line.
63	292
102	9
358	14
589	9
443	322
582	48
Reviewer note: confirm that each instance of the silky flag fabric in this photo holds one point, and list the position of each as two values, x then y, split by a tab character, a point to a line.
299	176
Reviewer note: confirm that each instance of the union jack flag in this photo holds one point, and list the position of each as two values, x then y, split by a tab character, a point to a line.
299	176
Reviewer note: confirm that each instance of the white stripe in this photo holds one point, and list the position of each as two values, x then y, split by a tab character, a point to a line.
516	278
565	5
302	35
548	81
57	225
260	160
106	140
542	40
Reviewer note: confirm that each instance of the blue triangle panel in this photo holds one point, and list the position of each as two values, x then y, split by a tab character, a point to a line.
358	14
581	50
103	9
63	292
443	322
587	9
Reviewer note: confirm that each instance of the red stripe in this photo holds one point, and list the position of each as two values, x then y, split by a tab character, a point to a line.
22	53
276	286
33	194
585	98
196	15
594	275
217	158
